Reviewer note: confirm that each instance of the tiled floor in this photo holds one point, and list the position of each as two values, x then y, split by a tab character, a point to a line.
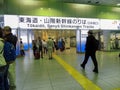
47	74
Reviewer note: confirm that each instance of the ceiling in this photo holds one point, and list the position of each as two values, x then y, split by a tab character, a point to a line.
98	2
91	2
95	2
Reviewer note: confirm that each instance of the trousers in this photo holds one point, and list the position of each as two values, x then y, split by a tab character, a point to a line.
12	74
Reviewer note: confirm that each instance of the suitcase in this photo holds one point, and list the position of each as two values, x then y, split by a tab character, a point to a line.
37	54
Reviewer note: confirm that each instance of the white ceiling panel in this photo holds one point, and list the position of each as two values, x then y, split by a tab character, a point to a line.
98	2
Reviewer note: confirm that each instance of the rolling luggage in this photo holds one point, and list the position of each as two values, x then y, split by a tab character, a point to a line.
37	54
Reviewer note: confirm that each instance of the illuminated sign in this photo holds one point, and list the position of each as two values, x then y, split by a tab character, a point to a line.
57	23
81	40
11	20
40	22
78	42
109	24
84	34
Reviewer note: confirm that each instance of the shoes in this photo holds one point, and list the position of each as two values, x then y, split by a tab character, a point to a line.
82	66
96	71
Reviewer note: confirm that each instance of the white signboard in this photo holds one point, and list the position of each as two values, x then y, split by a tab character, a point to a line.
34	22
106	24
40	22
11	20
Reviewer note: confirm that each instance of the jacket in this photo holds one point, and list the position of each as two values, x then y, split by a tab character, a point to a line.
90	43
2	59
11	38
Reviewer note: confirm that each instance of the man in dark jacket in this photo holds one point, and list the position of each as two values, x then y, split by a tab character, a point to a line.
90	50
9	37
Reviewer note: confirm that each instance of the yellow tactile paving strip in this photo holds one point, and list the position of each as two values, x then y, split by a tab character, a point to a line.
83	81
117	89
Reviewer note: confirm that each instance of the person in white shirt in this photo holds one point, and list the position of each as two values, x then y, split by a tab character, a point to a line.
50	45
44	47
22	52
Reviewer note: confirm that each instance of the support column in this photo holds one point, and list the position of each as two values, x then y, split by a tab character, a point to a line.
78	41
18	43
106	40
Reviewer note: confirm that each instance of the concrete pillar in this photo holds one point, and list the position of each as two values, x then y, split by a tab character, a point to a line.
106	40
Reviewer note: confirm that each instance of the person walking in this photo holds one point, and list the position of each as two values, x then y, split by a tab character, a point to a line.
34	47
50	45
90	50
116	43
44	47
22	52
39	45
9	37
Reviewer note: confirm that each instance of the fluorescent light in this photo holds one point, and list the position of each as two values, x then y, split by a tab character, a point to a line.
118	4
41	8
29	2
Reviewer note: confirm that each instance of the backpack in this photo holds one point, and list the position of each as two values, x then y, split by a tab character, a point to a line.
97	44
9	52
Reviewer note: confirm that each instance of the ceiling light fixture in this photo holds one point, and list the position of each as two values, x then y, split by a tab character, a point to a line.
118	4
